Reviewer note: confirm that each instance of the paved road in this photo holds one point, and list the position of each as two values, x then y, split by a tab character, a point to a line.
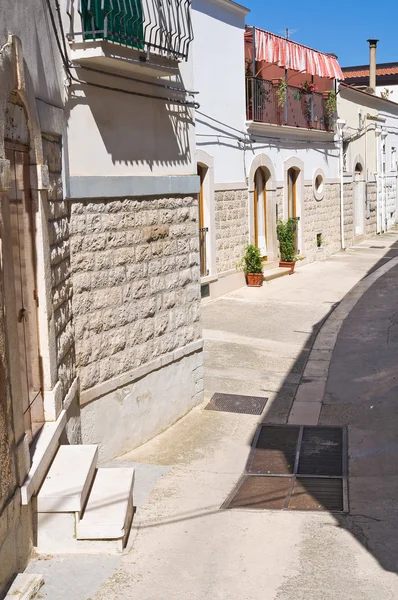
257	341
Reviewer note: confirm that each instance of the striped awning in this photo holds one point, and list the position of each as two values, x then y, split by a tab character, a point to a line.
285	53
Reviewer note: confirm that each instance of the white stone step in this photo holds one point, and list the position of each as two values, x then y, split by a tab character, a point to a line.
270	274
68	481
109	509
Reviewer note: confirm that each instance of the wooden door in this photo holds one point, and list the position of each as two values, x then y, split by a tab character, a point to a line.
23	259
292	176
260	212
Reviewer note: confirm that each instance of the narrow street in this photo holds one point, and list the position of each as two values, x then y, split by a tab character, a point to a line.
258	342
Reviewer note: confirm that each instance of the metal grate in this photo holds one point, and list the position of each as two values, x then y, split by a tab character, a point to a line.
233	403
293	467
274	451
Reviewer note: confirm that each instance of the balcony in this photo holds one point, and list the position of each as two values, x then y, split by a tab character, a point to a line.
266	102
152	35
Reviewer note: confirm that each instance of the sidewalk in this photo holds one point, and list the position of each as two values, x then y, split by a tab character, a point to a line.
258	341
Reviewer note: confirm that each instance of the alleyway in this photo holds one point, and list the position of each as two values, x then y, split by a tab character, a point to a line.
258	341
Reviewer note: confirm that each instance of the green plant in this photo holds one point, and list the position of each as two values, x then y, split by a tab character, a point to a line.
330	108
252	262
286	232
386	93
281	93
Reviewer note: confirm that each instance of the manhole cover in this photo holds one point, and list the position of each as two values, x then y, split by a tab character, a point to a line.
233	403
292	467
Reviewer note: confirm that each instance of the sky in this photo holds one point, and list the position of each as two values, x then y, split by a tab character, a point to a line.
338	26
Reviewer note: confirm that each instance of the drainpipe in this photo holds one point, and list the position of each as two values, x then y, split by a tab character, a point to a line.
378	215
383	181
340	124
372	64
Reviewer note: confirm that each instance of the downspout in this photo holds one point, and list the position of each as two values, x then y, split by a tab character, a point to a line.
383	182
378	216
340	123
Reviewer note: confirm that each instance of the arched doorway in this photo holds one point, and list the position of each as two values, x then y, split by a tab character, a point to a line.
359	200
18	213
260	211
292	200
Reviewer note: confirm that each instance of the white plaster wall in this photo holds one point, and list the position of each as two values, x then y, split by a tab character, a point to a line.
350	105
312	154
30	22
219	76
117	134
391	88
131	415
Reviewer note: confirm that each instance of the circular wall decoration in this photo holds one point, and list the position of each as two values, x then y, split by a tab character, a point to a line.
318	184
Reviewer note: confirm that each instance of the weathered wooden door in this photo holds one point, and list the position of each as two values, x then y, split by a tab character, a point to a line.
23	259
260	212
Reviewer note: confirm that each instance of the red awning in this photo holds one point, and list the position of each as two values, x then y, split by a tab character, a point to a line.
277	50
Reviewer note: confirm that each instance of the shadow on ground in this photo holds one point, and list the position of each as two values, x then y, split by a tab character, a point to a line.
362	394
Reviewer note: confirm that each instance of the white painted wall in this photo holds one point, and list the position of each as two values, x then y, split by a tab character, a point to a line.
219	76
391	88
29	21
116	134
313	153
379	129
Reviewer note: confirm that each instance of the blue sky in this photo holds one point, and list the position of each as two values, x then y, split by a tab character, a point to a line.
341	26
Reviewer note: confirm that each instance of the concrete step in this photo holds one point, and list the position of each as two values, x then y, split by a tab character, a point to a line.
67	484
268	265
270	274
25	587
109	509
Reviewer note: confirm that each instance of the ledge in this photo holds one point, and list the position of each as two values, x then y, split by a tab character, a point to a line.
124	379
289	131
109	56
81	187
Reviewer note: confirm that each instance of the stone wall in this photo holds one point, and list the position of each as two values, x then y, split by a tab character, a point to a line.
232	232
61	281
135	267
322	217
370	222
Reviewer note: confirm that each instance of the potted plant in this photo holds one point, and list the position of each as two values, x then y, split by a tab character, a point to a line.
286	232
252	264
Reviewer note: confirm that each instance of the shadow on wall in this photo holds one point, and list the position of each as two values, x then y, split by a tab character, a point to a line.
135	130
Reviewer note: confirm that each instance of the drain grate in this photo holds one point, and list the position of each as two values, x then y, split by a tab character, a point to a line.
274	451
292	467
378	247
233	403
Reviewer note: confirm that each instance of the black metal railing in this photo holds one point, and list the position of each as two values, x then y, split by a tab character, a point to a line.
265	105
202	250
158	26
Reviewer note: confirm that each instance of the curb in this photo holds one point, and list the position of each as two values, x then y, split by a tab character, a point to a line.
307	402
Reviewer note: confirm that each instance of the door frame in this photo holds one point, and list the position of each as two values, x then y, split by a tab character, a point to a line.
298	165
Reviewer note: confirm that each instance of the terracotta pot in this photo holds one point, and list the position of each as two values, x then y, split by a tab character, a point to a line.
289	265
254	279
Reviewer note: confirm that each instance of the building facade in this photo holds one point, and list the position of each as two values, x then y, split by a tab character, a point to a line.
370	141
266	147
100	320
